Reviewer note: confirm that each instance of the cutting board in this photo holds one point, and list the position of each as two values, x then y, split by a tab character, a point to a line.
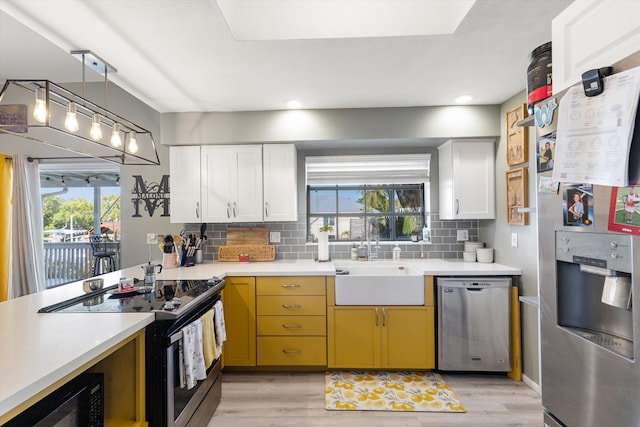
247	236
253	241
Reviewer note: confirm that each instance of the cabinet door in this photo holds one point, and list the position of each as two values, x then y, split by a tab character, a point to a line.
592	34
354	337
408	339
239	299
247	204
184	175
280	182
467	180
218	183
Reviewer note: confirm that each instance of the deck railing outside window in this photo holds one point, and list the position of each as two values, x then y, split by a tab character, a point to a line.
68	262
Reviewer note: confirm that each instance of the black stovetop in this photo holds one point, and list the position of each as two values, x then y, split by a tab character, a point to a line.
168	299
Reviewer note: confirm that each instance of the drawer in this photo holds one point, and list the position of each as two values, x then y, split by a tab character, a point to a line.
291	351
291	285
292	325
291	305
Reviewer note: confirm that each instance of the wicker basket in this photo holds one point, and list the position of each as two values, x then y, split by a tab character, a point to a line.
255	252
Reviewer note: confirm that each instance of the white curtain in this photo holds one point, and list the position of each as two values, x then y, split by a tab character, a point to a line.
27	242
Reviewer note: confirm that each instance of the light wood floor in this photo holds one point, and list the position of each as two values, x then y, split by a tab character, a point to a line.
297	399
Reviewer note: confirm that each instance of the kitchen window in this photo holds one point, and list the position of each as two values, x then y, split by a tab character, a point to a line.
78	200
361	197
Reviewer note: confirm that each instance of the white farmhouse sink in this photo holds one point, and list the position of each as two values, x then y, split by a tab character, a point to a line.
378	284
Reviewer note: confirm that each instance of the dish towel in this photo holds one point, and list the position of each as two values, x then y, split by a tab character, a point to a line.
208	339
221	331
193	358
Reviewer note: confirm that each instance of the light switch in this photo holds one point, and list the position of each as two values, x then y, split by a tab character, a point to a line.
514	240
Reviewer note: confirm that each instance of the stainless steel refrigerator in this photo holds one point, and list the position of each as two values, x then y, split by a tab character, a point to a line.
589	278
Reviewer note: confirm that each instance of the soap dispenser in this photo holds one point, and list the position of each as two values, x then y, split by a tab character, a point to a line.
397	252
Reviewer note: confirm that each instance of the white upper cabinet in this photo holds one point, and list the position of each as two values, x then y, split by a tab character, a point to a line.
228	183
280	182
184	179
232	183
592	34
467	180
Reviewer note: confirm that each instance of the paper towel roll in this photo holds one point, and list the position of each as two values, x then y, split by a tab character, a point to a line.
323	246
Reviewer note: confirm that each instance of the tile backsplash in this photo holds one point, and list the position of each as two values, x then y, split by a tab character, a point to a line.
293	240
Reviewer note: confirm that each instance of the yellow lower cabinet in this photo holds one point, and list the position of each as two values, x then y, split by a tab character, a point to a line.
353	337
408	339
239	299
381	337
292	325
292	351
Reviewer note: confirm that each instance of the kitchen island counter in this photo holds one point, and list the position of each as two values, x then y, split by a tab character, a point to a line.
41	350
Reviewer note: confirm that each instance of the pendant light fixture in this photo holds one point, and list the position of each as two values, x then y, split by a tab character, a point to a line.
71	121
40	108
96	130
63	119
116	142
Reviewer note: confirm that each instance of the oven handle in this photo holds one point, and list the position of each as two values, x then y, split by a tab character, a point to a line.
175	337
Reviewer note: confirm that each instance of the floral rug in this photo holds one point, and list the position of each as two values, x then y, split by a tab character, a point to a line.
389	391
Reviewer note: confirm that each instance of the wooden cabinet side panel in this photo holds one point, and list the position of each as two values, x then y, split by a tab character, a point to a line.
239	298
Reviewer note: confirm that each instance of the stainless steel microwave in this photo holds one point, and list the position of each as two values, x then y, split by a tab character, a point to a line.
80	403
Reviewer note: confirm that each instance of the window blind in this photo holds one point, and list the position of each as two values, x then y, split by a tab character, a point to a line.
369	169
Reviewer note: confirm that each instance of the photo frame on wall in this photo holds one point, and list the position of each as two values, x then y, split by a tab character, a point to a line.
517	136
517	196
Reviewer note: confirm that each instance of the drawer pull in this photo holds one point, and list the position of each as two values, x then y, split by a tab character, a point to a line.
285	351
291	286
291	306
292	326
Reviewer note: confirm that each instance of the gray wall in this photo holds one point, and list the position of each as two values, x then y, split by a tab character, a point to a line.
498	234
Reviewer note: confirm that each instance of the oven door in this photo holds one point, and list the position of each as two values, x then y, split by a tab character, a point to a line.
193	406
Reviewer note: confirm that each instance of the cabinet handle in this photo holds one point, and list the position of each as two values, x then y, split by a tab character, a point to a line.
228	210
292	326
197	209
376	316
291	306
285	351
266	209
384	317
291	286
234	210
457	206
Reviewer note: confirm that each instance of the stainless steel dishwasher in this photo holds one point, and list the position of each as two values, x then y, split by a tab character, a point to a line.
473	324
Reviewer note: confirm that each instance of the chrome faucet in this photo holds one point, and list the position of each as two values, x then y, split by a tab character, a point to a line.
373	227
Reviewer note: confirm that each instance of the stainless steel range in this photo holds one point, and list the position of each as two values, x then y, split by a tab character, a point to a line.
176	304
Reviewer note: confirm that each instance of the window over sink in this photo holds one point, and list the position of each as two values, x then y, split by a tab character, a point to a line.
360	197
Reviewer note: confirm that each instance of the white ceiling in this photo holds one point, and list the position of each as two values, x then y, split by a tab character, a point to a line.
181	56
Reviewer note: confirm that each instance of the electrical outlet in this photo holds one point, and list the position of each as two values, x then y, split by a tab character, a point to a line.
152	239
274	236
463	235
514	240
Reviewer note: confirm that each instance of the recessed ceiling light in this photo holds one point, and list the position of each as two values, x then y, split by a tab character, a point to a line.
463	99
293	104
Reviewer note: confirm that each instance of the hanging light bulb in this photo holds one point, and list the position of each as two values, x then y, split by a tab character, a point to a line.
71	122
96	131
115	136
133	144
40	107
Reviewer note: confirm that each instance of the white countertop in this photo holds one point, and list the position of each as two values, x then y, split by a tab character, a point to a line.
38	350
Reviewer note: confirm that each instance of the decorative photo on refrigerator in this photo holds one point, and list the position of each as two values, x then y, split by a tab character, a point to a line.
577	205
